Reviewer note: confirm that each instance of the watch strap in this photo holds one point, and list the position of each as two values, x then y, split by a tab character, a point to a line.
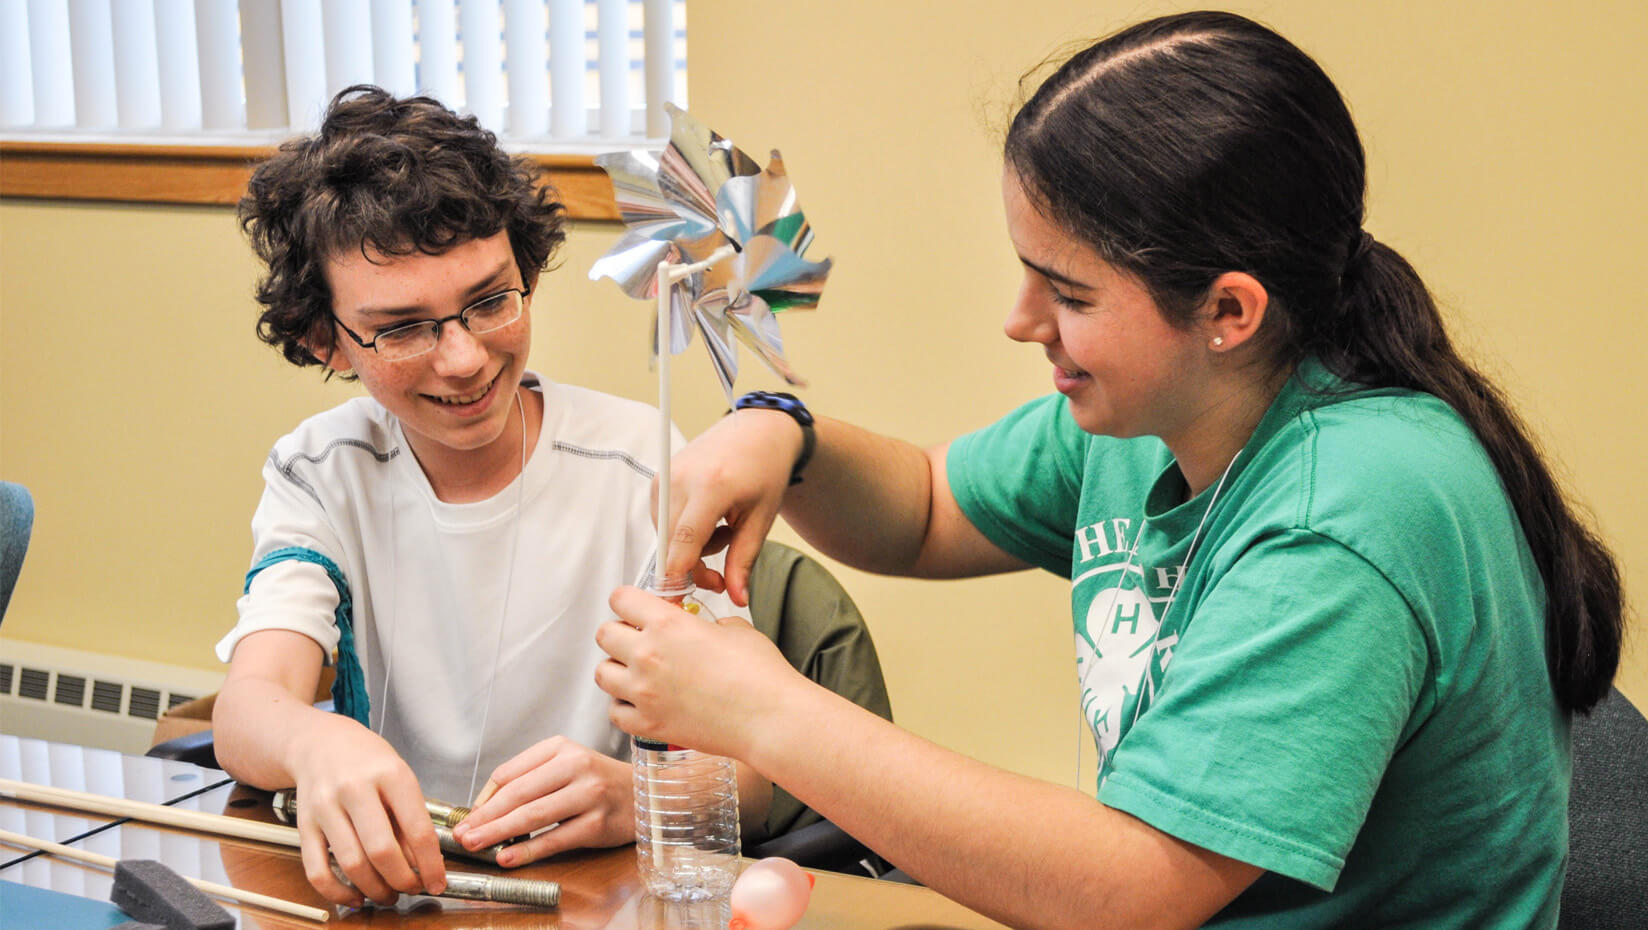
797	411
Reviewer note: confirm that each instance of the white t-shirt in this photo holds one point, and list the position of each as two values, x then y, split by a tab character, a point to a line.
429	580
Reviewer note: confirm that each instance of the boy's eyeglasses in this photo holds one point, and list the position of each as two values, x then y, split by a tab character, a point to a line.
410	340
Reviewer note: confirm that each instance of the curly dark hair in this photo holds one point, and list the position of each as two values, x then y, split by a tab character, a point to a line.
395	175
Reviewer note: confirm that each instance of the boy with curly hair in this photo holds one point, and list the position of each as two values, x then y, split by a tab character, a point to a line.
452	538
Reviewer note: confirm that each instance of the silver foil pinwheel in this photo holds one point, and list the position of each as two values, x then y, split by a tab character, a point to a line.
732	235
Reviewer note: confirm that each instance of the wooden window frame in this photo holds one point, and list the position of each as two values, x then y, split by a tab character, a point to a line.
207	174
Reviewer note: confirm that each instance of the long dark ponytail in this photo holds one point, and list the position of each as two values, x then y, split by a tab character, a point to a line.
1200	143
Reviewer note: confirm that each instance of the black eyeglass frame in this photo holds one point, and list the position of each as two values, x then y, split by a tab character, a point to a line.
462	316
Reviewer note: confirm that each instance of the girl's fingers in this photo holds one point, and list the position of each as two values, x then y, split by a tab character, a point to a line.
708	579
613	677
691	533
741	554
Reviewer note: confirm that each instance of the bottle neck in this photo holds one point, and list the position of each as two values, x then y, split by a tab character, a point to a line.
672	587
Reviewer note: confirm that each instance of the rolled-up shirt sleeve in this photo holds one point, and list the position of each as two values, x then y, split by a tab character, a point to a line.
292	595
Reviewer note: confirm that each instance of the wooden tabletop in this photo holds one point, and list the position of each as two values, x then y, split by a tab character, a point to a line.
600	889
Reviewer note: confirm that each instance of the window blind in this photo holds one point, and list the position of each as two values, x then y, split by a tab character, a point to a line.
545	75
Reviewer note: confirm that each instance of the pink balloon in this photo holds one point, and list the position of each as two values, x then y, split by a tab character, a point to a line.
771	894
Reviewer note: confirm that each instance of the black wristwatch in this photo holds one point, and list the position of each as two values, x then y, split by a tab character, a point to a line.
792	405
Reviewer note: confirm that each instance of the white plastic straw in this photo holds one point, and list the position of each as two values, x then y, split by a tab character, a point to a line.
668	275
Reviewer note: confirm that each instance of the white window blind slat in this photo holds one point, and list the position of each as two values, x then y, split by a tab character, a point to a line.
265	63
49	64
91	51
303	57
527	61
346	36
179	65
136	64
438	47
586	73
49	68
567	64
392	66
659	36
613	61
16	77
482	67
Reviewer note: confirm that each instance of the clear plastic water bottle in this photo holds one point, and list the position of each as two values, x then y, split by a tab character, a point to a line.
686	805
654	913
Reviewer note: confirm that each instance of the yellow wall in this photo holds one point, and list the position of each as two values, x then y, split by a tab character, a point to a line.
1505	146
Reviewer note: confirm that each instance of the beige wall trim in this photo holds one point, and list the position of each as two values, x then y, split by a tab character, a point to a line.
216	174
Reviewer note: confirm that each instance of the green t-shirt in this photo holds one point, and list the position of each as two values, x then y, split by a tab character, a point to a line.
1345	686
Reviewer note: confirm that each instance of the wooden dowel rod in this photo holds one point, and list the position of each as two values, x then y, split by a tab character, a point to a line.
218	824
237	895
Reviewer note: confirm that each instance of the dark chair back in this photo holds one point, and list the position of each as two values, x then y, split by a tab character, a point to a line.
1607	884
802	608
16	525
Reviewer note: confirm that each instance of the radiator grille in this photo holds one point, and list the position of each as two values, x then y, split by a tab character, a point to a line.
32	684
145	703
106	696
89	698
71	690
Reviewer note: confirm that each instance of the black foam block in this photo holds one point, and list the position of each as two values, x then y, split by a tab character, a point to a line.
149	891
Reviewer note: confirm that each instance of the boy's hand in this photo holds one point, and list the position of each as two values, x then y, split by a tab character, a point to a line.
359	801
587	797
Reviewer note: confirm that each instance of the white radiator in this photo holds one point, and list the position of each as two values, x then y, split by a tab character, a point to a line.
89	698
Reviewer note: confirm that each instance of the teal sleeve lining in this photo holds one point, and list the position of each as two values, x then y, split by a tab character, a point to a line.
349	687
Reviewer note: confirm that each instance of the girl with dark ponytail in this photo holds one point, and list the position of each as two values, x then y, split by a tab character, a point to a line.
1332	613
1274	185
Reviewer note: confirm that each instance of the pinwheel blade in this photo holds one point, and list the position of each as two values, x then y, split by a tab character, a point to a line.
723	354
785	280
686	203
764	203
755	326
644	207
633	263
696	164
681	325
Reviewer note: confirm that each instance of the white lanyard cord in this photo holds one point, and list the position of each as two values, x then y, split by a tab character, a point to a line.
1084	728
503	612
382	706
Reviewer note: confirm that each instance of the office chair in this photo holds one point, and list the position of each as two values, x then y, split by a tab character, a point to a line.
16	523
1607	885
803	609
